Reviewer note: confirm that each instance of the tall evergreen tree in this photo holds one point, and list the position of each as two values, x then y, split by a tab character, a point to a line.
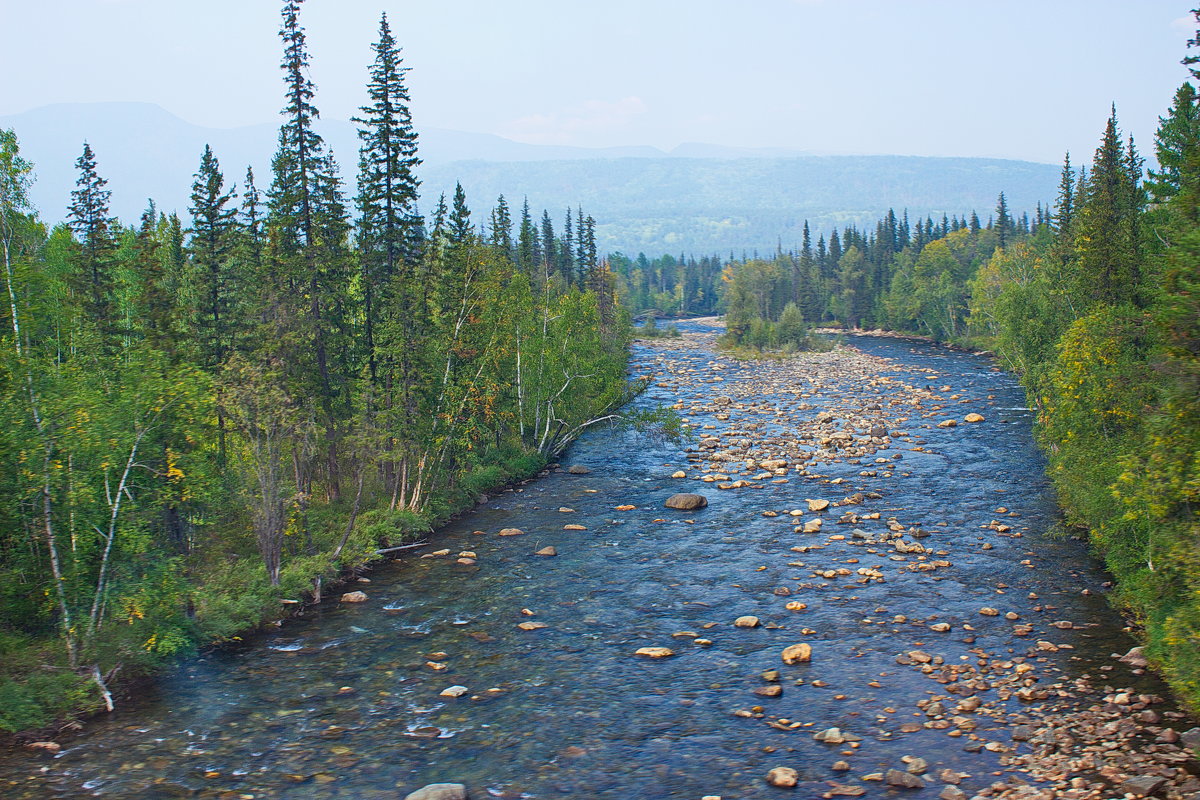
88	216
389	225
211	246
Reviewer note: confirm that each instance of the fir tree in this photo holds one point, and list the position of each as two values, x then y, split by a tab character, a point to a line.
89	219
211	245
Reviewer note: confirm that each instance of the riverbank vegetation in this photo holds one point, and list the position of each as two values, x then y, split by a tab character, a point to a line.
204	417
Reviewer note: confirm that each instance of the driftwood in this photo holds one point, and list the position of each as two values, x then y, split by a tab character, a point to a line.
387	550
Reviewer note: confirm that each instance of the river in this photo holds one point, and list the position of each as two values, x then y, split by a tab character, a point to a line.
345	702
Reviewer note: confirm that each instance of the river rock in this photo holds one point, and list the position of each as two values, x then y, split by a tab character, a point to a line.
46	747
579	469
797	654
547	551
574	527
655	652
903	780
354	597
817	505
454	691
511	532
1190	739
952	793
748	621
1143	785
686	502
531	626
783	777
439	791
1136	658
973	417
948	423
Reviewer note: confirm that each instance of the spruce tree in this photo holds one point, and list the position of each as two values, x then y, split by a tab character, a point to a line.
212	238
88	217
390	228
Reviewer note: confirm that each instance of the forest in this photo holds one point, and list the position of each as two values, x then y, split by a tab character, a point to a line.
204	419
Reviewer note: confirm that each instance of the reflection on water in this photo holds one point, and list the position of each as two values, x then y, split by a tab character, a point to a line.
346	702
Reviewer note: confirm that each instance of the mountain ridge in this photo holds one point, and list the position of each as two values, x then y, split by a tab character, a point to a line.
697	197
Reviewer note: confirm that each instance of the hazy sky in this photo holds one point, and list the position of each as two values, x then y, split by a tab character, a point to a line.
1017	79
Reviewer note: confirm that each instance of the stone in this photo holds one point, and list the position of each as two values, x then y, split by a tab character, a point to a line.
973	417
579	469
454	691
655	652
1190	739
1022	733
748	621
679	474
439	791
989	612
354	597
1143	785
574	527
903	780
783	777
547	551
1136	657
565	510
773	690
531	626
797	654
917	766
511	532
949	423
817	505
686	502
48	747
952	793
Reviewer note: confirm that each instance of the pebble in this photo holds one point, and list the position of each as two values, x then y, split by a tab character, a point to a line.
748	621
354	597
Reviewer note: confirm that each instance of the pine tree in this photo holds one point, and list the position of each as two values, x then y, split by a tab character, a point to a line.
308	226
527	241
1004	222
501	233
1108	267
211	244
389	225
460	218
89	219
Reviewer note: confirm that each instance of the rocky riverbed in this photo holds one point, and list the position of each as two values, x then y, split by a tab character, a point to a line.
868	605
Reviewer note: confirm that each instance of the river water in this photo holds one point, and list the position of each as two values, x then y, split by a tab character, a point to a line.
345	702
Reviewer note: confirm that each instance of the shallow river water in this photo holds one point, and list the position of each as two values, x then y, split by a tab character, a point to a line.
345	703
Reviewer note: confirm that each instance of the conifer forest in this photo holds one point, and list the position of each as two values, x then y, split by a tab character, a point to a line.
221	427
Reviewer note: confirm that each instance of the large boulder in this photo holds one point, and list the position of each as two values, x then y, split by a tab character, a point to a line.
439	791
686	502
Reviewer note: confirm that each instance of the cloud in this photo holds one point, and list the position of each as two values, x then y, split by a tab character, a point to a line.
576	124
1187	23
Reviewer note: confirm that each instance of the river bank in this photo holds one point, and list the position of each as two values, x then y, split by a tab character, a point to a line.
953	645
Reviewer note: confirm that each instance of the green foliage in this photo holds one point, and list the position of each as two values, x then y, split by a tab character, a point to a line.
199	423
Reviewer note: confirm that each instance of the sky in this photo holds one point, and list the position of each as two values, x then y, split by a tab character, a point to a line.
1017	79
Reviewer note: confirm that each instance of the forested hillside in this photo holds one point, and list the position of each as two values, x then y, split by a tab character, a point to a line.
202	417
1094	302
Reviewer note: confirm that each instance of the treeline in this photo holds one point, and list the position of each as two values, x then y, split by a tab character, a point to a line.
203	417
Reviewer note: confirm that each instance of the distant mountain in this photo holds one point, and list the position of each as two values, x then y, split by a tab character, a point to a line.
698	198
